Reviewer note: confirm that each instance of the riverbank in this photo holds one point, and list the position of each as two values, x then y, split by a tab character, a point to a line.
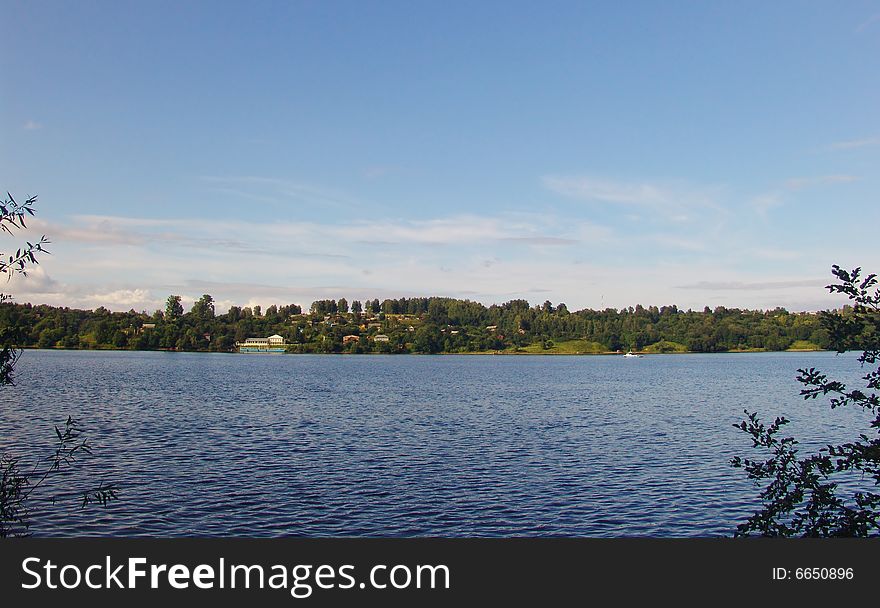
506	352
451	326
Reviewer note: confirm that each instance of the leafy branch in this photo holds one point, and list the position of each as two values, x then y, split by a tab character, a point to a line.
17	486
12	216
18	482
801	496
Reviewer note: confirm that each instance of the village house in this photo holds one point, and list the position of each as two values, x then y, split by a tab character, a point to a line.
272	344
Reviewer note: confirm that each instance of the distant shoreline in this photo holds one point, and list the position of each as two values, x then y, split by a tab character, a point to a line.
468	353
429	325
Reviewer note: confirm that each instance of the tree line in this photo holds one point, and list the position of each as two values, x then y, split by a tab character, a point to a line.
415	325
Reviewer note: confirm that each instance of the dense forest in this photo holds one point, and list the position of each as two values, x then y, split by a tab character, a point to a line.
416	325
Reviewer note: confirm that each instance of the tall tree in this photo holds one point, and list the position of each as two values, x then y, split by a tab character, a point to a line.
173	308
203	309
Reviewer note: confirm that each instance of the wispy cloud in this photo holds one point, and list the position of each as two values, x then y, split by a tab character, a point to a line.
673	201
799	183
244	236
379	171
855	143
260	198
461	230
783	193
762	203
867	23
273	190
124	262
597	189
38	286
31	125
673	242
121	298
753	286
131	232
135	262
773	254
39	281
540	240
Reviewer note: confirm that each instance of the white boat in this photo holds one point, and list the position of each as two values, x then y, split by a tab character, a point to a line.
632	355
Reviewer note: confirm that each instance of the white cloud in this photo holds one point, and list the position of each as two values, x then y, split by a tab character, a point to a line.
39	288
142	260
379	171
445	231
867	22
668	202
774	254
37	281
754	285
666	194
271	190
487	278
31	125
127	262
551	241
121	298
686	244
762	203
799	183
855	143
597	189
322	239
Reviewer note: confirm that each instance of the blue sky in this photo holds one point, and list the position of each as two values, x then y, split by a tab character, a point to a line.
596	153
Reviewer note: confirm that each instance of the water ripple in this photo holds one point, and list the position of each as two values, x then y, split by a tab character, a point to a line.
217	445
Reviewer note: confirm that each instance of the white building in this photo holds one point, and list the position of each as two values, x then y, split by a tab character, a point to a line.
271	344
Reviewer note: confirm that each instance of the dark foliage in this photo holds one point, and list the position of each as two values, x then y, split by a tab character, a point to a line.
12	217
414	325
802	495
20	478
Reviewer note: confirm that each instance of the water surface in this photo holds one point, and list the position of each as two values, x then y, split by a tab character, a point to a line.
281	445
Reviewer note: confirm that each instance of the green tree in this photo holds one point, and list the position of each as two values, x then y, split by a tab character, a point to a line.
428	339
342	305
173	308
272	313
802	495
203	309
